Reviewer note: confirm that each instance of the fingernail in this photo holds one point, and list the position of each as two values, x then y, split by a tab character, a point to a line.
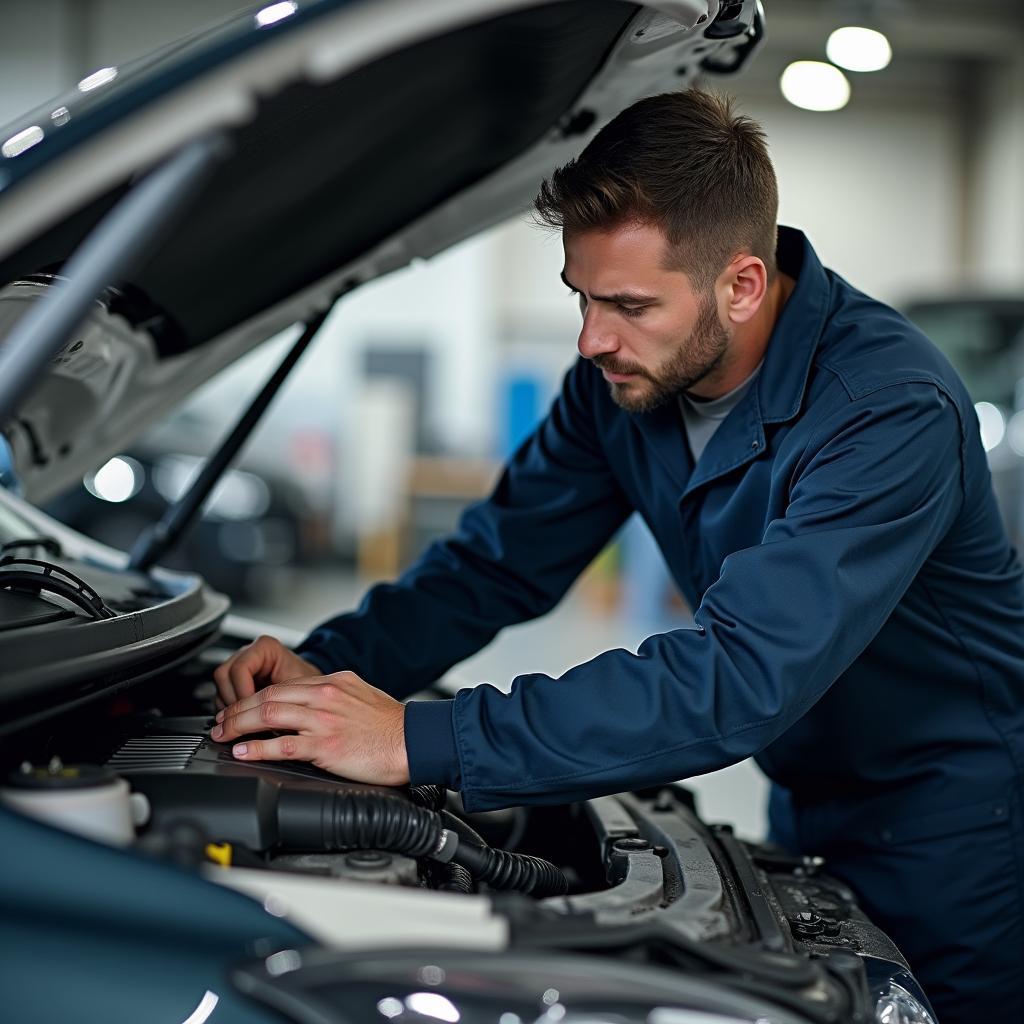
217	731
240	750
220	715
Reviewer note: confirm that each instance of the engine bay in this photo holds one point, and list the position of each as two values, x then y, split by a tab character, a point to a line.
638	875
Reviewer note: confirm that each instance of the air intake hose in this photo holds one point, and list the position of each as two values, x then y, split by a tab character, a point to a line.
429	796
518	871
347	820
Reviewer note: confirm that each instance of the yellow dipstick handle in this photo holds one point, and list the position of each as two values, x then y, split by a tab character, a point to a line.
219	853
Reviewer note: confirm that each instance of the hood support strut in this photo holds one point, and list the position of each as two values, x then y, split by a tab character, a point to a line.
126	237
155	541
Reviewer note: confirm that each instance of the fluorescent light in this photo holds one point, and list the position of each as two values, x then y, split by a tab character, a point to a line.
992	424
96	79
276	12
814	85
117	480
25	139
859	49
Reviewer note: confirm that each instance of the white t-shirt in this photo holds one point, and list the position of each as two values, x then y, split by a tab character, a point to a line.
703	416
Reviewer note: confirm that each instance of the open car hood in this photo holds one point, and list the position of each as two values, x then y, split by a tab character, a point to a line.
362	135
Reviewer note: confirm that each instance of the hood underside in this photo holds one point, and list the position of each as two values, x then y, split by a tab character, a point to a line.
363	136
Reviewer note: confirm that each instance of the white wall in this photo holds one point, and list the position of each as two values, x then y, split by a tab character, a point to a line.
876	191
995	199
34	63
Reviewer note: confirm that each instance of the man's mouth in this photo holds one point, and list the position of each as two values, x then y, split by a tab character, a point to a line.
621	373
617	378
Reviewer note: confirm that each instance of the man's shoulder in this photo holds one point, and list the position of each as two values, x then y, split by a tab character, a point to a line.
867	346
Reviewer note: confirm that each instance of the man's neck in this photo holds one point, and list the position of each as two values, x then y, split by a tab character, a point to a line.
748	344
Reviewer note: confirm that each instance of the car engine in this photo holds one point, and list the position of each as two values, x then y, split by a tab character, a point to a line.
636	874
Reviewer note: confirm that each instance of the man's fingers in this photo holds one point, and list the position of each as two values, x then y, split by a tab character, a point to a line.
294	691
281	748
265	660
235	679
222	680
269	715
242	674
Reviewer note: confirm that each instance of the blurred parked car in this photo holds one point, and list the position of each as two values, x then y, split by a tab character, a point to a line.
250	530
983	337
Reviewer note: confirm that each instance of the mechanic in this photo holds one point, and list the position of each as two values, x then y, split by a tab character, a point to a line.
811	468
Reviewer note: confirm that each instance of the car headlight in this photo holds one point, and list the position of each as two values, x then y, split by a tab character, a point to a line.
897	1006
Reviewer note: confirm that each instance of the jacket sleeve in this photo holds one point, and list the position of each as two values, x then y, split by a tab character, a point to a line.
872	495
512	558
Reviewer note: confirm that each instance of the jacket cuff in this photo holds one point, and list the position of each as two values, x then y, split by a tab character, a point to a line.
430	743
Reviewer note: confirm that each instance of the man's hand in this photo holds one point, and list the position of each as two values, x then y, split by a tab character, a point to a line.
341	724
261	663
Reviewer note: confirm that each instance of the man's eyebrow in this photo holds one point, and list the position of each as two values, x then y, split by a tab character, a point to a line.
620	298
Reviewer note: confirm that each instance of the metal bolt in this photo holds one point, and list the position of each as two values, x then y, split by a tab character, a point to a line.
630	845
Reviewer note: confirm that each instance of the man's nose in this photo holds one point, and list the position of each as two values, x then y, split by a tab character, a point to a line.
597	337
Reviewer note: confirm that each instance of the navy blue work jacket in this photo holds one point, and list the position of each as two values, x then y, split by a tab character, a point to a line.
859	611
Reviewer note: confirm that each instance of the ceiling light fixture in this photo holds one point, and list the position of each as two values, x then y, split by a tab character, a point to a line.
859	49
815	85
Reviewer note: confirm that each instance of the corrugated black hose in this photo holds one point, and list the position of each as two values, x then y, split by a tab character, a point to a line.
340	820
458	879
519	871
432	797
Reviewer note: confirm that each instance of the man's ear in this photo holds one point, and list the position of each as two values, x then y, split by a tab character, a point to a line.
742	287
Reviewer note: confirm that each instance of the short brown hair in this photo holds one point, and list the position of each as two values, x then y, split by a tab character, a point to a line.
683	161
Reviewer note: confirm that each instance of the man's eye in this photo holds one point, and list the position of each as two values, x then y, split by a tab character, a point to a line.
631	312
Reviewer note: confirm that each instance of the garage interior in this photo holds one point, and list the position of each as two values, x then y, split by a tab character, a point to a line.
911	190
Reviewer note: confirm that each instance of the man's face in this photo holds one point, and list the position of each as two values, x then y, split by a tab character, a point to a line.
644	326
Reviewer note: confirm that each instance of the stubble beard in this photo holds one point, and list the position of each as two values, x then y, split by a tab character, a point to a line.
693	359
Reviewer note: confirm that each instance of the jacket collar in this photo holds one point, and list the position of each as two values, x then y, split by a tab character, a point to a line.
781	384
